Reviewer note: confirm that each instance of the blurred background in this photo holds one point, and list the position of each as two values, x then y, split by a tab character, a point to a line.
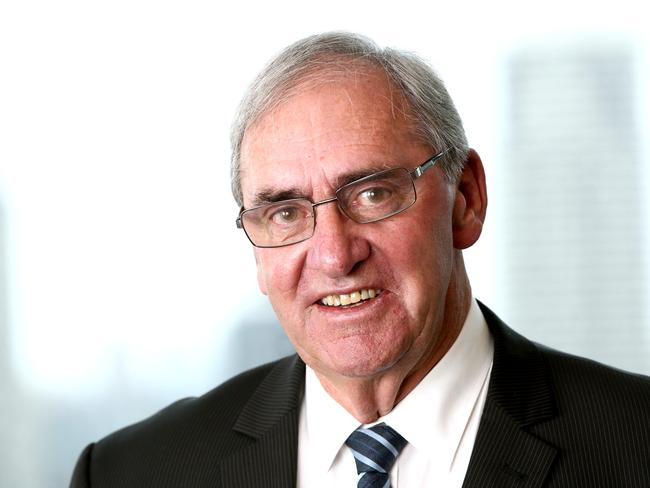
123	282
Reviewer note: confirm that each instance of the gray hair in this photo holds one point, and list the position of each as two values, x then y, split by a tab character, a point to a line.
436	121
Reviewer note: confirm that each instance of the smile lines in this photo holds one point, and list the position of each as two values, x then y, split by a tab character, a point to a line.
349	299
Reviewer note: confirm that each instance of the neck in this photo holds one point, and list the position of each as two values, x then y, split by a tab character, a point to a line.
369	398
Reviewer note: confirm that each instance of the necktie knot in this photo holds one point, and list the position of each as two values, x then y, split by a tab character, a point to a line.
375	451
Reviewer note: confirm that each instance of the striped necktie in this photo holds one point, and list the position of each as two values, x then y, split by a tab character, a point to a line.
375	450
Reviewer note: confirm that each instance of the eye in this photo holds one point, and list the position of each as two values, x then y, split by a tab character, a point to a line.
286	214
375	195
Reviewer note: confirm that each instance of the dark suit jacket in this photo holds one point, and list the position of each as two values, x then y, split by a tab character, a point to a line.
550	420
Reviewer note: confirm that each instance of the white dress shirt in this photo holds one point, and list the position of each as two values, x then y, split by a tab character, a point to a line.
439	419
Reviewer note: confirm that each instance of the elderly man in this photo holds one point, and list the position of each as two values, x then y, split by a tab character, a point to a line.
359	193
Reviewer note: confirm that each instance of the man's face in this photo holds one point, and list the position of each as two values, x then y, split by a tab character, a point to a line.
308	147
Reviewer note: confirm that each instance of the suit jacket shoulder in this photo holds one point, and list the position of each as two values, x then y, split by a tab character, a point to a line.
204	441
553	419
602	422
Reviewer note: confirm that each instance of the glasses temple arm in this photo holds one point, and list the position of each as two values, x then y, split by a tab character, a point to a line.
419	170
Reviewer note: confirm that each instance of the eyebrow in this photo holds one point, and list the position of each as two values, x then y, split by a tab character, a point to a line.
271	195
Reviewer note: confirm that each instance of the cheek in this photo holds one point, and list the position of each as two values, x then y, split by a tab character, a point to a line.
425	246
425	261
278	270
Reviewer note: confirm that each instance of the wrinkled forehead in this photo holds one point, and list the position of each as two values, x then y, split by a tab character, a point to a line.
350	112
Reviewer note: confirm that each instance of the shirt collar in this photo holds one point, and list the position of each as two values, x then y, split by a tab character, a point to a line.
328	424
432	417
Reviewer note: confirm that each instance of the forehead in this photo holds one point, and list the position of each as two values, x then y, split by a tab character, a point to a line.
348	123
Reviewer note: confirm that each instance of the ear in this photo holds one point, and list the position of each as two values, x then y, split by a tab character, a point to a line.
261	282
470	203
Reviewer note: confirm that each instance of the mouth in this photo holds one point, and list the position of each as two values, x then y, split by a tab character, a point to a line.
352	299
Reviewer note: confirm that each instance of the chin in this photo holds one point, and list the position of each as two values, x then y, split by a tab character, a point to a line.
363	364
361	354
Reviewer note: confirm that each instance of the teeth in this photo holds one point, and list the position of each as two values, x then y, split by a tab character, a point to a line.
354	297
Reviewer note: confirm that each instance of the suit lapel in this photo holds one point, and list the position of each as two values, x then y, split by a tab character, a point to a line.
270	420
505	453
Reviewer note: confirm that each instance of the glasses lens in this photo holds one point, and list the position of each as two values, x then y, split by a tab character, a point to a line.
377	196
279	224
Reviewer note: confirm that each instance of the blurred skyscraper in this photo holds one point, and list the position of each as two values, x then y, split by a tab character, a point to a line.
572	213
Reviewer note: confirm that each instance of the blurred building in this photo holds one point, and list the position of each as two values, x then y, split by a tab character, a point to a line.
572	212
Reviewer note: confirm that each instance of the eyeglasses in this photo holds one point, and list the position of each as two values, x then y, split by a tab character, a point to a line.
369	199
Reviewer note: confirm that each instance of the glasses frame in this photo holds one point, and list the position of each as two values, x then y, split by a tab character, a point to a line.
415	173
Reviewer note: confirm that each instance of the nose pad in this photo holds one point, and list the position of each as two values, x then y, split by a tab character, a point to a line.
337	246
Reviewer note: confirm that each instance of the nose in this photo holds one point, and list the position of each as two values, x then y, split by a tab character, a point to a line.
337	246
